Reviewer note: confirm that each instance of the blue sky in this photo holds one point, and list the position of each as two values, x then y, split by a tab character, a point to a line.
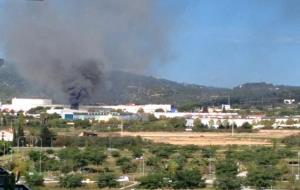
229	42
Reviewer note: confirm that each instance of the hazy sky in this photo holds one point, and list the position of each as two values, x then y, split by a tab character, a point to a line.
229	42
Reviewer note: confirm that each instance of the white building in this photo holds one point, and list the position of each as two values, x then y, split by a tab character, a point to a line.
24	104
6	135
148	108
226	107
289	101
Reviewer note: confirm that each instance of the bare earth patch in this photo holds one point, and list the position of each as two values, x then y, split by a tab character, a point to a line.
263	137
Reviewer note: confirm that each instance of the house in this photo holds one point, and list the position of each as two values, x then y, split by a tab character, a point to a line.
6	135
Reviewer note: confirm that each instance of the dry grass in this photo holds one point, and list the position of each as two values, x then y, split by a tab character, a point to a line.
263	137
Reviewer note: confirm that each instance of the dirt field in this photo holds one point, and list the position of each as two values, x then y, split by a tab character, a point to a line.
263	137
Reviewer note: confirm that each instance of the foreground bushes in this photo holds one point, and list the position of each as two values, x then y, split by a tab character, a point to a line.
293	140
71	181
34	179
183	179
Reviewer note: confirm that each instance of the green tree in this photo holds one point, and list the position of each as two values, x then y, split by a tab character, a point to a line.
198	125
246	125
94	155
20	128
152	118
177	122
137	152
34	179
262	177
152	181
153	162
82	123
128	167
115	153
71	181
107	179
226	175
208	152
47	136
188	179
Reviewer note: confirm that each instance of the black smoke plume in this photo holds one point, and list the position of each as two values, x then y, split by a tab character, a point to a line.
65	46
86	78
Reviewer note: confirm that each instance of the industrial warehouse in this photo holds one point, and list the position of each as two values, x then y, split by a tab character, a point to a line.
213	118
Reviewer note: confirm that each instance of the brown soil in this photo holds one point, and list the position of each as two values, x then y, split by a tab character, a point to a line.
263	137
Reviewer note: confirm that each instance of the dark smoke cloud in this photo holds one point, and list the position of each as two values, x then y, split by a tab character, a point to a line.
65	46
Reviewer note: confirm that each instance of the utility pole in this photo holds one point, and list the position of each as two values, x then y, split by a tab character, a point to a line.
143	166
298	165
122	128
210	168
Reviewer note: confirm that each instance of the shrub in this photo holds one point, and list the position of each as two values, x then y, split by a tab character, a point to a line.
71	181
115	154
34	179
107	180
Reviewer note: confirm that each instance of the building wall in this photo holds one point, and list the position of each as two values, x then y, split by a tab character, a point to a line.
148	108
22	104
6	136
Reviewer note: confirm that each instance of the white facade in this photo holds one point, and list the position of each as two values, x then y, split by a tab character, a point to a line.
148	108
289	101
214	122
226	107
24	104
196	114
6	136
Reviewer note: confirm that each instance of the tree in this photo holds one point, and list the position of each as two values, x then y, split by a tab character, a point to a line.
153	162
128	167
208	152
262	177
71	181
20	127
246	125
34	179
140	111
188	179
107	179
177	122
226	173
113	122
94	155
197	123
211	123
152	181
46	136
115	153
226	183
137	152
35	155
82	123
226	124
152	118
